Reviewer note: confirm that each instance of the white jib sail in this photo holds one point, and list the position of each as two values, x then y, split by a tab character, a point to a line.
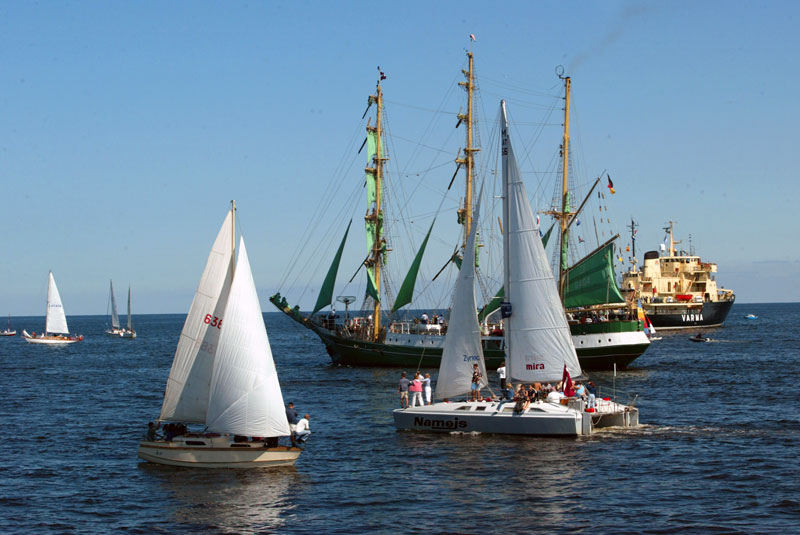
129	309
462	347
186	394
114	315
537	336
245	394
56	320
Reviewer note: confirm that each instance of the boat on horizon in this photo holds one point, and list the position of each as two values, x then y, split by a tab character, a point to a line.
56	331
677	289
115	330
381	338
223	376
537	338
8	331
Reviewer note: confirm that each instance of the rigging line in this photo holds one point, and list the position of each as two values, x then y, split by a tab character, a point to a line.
431	110
428	169
420	144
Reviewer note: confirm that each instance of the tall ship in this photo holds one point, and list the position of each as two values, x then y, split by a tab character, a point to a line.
677	290
379	336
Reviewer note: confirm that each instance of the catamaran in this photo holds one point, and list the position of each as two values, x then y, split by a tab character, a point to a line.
116	330
56	331
223	375
538	344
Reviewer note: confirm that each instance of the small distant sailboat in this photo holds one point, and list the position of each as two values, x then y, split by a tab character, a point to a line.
223	375
537	338
115	329
56	331
8	331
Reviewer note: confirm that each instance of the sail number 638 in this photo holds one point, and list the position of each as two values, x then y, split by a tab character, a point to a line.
213	321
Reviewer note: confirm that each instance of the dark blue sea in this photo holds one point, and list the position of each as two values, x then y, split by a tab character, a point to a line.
718	452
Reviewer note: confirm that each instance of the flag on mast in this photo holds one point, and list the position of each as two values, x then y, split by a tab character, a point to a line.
610	184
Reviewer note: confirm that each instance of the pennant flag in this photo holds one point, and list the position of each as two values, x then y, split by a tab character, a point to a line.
569	391
472	37
383	76
610	184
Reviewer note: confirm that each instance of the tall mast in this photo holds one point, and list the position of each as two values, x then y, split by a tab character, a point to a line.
376	216
564	215
633	244
468	160
672	241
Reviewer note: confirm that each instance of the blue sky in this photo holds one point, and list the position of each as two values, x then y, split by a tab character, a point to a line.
127	128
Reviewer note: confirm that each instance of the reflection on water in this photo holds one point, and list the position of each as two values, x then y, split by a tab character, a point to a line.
227	499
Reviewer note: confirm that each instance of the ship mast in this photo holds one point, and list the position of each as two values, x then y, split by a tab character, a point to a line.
633	244
468	160
672	241
376	216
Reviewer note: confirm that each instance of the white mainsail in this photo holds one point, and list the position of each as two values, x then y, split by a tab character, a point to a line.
462	347
56	320
186	394
537	336
114	315
129	309
245	397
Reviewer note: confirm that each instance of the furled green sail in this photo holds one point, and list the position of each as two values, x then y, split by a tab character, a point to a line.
372	225
407	289
592	281
494	302
325	297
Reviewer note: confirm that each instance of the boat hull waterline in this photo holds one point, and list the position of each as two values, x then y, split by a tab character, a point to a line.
50	340
247	456
674	316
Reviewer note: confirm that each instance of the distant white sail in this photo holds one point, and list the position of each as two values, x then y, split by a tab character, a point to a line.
129	309
245	396
186	395
56	320
462	346
114	315
537	336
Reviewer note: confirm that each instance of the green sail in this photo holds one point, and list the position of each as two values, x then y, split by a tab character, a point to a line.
592	281
372	198
494	302
407	288
325	297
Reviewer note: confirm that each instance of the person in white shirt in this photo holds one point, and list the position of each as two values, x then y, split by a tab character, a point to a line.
426	386
301	430
501	371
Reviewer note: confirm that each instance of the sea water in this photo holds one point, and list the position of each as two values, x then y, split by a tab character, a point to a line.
718	452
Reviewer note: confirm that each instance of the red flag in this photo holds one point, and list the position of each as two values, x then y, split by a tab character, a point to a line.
567	383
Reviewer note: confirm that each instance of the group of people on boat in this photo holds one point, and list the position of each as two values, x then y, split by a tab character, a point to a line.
424	319
415	387
525	395
298	427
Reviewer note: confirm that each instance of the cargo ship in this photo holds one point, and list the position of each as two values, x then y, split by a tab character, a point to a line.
677	290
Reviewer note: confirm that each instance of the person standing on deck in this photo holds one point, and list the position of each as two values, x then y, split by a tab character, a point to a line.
426	386
501	371
476	382
402	387
416	390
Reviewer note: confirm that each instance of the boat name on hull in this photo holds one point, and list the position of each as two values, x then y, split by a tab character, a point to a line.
439	424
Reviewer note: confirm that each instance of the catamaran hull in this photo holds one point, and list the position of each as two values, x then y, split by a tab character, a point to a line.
178	454
541	419
673	316
50	340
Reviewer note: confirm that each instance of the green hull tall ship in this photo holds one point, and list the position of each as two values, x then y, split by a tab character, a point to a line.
378	337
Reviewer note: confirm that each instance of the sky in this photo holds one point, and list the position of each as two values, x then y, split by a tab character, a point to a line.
127	128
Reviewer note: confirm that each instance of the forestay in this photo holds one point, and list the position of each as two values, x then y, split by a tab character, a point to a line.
114	314
537	336
186	395
245	397
56	320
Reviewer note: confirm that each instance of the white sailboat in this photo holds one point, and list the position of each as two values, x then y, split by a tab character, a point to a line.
56	331
537	338
223	375
8	331
116	330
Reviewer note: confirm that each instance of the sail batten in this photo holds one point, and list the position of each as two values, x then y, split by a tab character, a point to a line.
186	395
55	319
